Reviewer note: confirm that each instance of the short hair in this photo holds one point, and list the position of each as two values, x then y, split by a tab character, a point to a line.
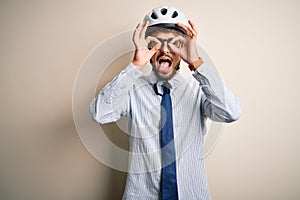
165	29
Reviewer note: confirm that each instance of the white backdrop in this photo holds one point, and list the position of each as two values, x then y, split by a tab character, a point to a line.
254	45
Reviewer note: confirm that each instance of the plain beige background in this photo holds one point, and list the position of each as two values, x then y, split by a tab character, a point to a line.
254	44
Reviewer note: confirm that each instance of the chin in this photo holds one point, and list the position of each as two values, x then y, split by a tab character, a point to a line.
164	76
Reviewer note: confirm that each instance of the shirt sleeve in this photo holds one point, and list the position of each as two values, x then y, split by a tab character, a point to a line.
218	102
113	100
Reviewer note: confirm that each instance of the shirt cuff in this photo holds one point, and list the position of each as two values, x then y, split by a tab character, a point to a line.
202	73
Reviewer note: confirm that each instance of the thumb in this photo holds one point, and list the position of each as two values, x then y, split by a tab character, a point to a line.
154	50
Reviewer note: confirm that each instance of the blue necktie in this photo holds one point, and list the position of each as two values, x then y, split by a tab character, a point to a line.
169	189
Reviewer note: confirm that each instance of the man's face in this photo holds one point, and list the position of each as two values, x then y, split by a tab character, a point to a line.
164	61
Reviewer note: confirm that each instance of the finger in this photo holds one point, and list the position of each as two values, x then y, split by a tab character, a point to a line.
139	25
193	25
174	49
143	31
137	32
178	42
178	38
152	39
154	49
185	28
192	32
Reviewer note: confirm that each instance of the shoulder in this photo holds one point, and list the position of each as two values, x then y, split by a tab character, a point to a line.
192	81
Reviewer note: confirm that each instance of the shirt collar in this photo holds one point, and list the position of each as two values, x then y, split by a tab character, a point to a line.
174	82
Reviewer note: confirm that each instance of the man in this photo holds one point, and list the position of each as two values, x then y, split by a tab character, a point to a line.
166	112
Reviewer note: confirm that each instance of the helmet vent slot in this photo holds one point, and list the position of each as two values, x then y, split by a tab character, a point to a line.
175	14
154	16
163	11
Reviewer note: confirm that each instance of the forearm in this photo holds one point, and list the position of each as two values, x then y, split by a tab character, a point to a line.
113	100
219	103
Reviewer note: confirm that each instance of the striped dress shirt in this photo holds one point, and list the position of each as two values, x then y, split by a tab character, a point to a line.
194	99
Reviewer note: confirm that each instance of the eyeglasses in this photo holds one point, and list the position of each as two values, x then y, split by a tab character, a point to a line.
162	41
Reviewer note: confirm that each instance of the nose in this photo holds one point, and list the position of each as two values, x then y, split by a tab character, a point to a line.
164	47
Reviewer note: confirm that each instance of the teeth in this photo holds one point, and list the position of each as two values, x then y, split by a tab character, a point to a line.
164	60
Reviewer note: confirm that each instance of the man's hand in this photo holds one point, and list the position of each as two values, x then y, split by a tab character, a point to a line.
188	49
142	54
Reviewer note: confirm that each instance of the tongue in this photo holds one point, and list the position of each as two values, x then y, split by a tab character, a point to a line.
164	66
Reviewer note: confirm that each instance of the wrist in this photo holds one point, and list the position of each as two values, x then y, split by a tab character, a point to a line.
138	65
195	64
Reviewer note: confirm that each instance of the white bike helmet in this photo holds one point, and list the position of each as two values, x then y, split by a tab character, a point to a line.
167	17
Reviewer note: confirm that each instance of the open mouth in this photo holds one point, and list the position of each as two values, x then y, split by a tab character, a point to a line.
164	61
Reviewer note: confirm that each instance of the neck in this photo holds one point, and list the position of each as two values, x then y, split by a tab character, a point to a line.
165	79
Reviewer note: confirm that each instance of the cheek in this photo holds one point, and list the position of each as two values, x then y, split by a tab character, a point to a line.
152	60
176	60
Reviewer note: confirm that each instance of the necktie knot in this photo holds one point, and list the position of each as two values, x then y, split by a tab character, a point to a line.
166	87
